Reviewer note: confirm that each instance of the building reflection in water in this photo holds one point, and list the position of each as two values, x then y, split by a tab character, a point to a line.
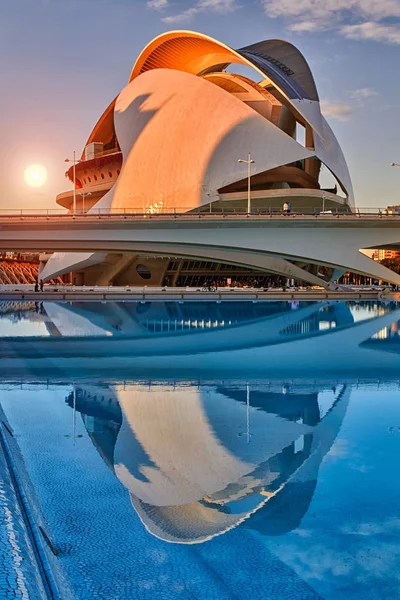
200	461
148	318
203	340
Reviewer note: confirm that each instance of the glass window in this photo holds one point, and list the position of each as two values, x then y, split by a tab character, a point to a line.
143	271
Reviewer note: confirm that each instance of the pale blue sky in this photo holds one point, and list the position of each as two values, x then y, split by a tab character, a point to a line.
62	62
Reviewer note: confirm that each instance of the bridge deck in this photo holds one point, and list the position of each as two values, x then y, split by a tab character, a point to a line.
127	215
272	242
338	220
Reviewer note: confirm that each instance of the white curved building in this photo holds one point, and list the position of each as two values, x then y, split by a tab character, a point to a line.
172	138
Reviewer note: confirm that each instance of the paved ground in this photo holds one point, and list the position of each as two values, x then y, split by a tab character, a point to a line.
93	293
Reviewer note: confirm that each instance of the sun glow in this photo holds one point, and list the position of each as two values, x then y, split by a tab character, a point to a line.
35	175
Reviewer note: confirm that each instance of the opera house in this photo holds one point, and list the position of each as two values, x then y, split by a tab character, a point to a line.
175	140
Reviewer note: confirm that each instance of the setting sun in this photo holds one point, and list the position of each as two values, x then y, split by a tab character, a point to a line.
35	175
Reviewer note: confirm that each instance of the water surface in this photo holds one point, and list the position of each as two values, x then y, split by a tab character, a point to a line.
205	451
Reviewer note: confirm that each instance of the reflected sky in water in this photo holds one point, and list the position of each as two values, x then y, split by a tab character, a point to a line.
135	318
198	340
264	465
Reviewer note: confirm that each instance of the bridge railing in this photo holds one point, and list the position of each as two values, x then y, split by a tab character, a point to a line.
183	213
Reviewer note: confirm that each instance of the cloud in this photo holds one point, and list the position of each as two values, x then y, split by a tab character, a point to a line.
306	533
390	34
202	6
340	112
221	6
343	112
345	565
157	4
318	15
389	526
363	94
304	26
328	9
183	17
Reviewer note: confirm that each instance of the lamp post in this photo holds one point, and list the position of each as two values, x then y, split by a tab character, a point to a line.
248	162
248	412
83	200
74	416
74	161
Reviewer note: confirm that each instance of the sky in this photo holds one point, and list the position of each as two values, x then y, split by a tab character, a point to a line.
63	61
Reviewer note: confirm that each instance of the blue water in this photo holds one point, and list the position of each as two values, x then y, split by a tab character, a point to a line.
210	451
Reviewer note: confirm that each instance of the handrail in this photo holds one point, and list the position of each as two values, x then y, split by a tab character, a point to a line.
183	214
145	294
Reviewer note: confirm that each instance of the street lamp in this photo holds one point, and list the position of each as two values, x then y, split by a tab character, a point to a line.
248	162
74	161
83	200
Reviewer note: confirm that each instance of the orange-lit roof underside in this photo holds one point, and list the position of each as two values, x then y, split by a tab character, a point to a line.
104	128
185	51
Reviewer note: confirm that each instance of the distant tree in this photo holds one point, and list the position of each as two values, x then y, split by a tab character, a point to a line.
392	263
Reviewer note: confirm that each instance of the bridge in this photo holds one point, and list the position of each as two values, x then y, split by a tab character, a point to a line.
269	241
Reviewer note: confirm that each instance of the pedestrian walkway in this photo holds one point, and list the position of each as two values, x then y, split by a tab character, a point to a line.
19	575
62	293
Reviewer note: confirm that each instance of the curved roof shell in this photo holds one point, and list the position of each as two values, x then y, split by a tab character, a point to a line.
181	137
279	61
104	130
280	64
280	57
197	53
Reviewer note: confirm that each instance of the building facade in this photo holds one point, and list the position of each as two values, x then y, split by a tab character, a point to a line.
175	140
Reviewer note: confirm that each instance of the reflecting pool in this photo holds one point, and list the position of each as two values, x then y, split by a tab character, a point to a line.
193	450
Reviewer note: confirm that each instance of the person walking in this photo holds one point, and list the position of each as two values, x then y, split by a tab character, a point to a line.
289	208
285	208
36	286
41	285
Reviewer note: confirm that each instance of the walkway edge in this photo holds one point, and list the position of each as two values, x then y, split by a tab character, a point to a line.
188	296
21	480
